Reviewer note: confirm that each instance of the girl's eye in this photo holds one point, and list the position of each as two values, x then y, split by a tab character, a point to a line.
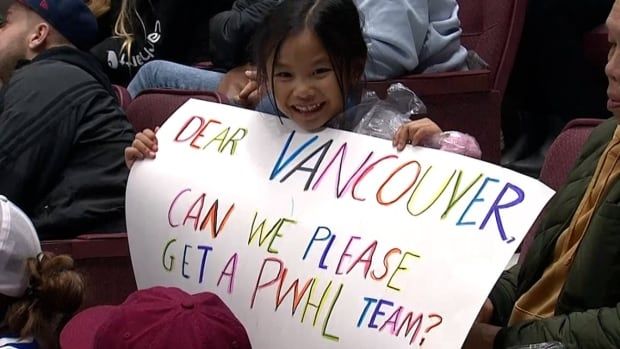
283	75
322	71
612	48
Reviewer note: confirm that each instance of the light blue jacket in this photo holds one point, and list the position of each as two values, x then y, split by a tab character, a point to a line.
407	35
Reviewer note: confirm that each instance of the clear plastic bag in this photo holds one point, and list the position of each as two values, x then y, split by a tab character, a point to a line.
382	117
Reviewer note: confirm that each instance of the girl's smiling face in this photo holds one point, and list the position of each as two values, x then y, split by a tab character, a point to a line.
305	84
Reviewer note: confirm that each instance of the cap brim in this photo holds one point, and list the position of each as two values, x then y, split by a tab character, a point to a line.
80	331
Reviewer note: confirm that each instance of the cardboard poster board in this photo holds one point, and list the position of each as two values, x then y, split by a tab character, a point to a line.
326	240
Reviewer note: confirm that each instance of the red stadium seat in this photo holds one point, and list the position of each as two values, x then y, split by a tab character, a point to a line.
104	261
471	101
123	96
152	107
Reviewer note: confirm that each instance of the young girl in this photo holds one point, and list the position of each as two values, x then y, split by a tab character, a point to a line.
310	57
38	292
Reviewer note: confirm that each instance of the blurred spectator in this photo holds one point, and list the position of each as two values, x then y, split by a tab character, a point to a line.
63	133
230	34
38	292
156	29
566	288
552	81
157	318
106	12
402	36
407	36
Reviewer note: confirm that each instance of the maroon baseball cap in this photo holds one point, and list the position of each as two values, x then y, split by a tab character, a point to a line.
157	318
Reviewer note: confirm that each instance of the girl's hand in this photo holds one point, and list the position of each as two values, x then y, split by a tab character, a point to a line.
143	146
414	132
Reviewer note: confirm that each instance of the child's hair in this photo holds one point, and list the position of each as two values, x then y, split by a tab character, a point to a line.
336	23
55	293
99	7
124	26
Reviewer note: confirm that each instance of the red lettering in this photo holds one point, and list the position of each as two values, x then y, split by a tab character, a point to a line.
385	264
380	199
366	172
172	206
200	133
187	124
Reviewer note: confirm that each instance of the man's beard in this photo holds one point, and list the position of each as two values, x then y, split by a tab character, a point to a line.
7	67
6	73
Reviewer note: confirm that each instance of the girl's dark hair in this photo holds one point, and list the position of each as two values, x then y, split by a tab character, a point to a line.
337	24
55	293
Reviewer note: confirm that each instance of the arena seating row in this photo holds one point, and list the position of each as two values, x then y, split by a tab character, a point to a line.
467	101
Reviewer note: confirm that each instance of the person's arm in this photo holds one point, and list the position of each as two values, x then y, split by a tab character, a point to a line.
394	32
231	31
504	295
442	50
427	133
596	328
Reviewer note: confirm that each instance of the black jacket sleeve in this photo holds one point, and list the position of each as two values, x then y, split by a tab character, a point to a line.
231	31
595	328
504	295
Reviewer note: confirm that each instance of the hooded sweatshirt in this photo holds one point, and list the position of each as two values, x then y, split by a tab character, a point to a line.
404	36
61	145
172	30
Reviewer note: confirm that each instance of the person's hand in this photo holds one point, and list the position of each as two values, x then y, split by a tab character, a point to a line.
486	312
143	146
414	132
240	86
250	94
481	336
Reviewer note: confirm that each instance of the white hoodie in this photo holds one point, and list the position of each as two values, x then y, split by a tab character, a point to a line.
407	35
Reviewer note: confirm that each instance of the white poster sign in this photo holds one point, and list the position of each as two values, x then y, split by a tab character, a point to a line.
324	240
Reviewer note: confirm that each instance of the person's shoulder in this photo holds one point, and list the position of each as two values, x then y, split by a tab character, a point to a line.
597	141
48	80
603	132
56	71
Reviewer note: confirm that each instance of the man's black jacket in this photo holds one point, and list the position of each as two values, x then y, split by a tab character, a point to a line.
62	136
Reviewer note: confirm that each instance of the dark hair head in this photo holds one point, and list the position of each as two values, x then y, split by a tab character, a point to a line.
336	23
55	293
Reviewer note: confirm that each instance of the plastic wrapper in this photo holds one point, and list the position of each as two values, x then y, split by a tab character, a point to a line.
382	118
